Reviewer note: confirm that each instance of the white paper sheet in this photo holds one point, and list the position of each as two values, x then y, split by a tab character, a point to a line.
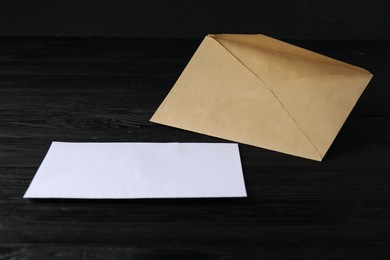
139	170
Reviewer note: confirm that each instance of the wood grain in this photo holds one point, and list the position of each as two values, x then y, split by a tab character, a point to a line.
71	89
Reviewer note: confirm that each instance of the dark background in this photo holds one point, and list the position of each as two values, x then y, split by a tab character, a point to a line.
100	89
304	19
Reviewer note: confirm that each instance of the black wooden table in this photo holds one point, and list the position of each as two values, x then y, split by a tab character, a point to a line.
68	89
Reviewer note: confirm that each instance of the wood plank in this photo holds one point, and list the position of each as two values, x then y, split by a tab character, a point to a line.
70	89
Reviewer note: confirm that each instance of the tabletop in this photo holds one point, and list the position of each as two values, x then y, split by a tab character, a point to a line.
106	89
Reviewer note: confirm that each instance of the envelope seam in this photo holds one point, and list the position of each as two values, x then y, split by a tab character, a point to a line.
280	103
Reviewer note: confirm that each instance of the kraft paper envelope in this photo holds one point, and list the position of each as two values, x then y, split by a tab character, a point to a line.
263	92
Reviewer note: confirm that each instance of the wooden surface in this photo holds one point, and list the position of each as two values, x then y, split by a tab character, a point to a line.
107	89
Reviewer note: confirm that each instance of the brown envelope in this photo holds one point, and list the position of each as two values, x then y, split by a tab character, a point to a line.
259	91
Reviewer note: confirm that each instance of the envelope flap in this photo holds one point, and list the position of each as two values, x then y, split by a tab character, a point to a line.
273	64
216	95
260	41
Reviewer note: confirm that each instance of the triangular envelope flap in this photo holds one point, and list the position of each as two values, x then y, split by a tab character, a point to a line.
271	66
216	95
320	106
267	43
